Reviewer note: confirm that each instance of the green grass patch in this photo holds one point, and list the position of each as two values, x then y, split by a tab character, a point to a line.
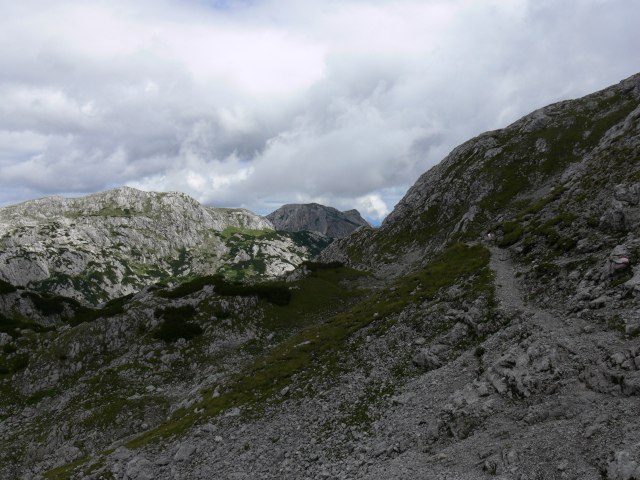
323	343
513	231
41	395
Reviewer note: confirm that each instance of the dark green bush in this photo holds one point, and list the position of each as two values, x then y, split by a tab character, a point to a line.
49	304
315	266
593	222
565	244
547	269
513	232
171	331
221	314
21	362
6	287
9	325
271	292
110	309
178	314
528	244
176	323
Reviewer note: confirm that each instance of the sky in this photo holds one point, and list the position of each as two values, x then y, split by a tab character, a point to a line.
258	103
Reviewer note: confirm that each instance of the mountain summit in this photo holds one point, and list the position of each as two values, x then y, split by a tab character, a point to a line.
316	218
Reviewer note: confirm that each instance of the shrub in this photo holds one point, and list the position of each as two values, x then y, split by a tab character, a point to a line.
315	266
49	304
9	325
593	222
110	309
21	362
547	269
171	331
176	324
513	232
565	244
6	287
178	314
271	292
221	314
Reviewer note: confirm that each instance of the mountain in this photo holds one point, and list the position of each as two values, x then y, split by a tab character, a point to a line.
489	329
316	218
113	243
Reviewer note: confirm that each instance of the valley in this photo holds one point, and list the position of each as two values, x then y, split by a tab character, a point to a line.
425	348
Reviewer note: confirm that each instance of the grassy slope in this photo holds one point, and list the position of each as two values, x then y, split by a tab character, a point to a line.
576	128
318	347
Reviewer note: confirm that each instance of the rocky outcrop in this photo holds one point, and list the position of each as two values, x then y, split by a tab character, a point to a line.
317	218
114	243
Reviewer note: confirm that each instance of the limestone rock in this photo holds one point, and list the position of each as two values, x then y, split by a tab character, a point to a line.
113	243
318	218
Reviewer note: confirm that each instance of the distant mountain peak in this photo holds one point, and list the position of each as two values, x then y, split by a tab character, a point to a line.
316	218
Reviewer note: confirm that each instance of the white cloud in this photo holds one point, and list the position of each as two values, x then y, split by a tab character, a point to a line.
260	103
372	206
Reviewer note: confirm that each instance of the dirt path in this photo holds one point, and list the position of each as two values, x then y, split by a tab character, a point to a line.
509	295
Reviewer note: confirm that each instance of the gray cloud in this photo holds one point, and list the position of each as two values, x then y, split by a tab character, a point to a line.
260	103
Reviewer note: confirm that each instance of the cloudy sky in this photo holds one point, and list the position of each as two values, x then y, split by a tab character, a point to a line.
257	103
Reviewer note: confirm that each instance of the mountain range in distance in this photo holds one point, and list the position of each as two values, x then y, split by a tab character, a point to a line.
113	243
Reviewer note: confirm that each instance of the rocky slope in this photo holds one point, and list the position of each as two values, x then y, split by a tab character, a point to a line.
446	353
114	243
316	218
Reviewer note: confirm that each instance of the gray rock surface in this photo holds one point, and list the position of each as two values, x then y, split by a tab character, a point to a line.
317	218
114	243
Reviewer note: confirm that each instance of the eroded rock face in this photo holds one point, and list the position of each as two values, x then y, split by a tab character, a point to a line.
113	243
317	218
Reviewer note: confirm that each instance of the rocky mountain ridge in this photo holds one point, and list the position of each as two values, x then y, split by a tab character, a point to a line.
113	243
489	329
316	218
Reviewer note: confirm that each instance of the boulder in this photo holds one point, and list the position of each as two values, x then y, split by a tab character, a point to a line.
623	467
431	357
617	263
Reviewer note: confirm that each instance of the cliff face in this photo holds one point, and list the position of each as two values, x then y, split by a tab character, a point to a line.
489	329
316	218
113	243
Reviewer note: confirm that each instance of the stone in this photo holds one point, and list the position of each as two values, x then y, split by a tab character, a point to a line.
184	452
153	230
599	302
139	468
623	467
430	357
317	218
